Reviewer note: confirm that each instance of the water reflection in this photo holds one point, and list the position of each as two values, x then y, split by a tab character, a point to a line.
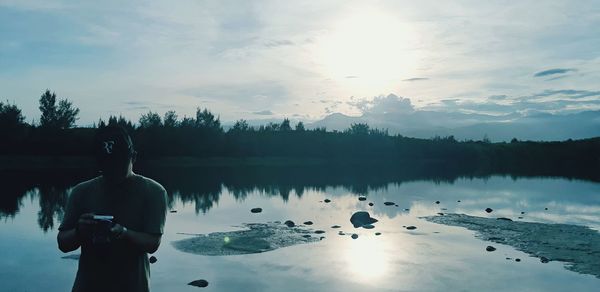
203	187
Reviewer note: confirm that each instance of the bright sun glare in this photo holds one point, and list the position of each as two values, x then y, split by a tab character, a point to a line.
368	50
366	259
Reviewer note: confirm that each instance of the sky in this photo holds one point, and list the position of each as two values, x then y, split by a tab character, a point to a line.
301	59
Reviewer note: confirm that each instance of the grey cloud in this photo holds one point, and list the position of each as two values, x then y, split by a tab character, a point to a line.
264	113
553	72
498	97
247	92
416	79
383	104
571	93
278	43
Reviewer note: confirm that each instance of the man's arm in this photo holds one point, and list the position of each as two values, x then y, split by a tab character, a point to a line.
69	240
147	242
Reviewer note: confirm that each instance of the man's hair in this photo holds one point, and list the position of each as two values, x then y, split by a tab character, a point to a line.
113	143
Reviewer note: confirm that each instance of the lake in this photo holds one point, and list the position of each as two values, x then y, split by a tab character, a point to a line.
432	257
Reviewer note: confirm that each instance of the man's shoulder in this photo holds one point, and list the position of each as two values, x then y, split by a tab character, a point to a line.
83	186
151	185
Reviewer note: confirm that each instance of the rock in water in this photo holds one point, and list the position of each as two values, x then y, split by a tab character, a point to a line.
389	203
489	210
199	283
319	232
362	218
152	259
544	260
361	198
371	204
256	210
517	260
377	233
327	200
173	211
437	202
368	226
336	226
341	233
308	223
504	218
289	223
411	227
490	248
354	236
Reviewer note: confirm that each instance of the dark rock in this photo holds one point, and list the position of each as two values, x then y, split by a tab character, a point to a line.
354	236
308	223
322	237
411	227
544	260
152	259
437	202
406	209
389	203
289	223
508	258
199	283
397	206
361	198
441	214
520	217
368	226
173	211
256	210
489	210
522	212
327	200
443	209
341	233
306	235
490	248
504	218
336	226
362	218
517	260
546	209
319	231
377	233
458	201
371	204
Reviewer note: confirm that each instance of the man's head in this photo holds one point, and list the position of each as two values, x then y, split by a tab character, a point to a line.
114	152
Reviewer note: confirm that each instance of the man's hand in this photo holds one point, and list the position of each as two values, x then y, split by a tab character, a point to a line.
145	241
118	231
70	240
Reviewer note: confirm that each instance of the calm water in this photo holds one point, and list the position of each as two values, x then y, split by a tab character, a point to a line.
431	258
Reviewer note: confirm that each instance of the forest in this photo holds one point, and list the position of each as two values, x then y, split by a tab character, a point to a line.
202	136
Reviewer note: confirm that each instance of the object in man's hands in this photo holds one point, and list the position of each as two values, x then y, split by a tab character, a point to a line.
101	234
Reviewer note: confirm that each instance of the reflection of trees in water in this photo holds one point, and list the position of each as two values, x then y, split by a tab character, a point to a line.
203	186
52	202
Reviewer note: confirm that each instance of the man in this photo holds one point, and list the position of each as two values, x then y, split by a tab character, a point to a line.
114	250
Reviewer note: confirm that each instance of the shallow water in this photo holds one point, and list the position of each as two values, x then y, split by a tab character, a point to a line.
433	257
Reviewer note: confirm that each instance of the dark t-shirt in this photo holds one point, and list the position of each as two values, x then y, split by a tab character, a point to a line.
140	204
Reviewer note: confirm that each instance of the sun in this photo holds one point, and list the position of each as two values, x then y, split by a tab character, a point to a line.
368	50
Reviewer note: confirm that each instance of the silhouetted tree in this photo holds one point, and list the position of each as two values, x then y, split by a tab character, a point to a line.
62	116
11	118
170	119
150	120
285	125
206	119
240	126
300	127
358	129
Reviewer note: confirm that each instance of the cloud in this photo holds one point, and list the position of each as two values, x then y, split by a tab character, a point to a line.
569	93
553	72
264	113
416	79
278	43
383	105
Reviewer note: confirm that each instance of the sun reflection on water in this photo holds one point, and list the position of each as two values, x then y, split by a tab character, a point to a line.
366	258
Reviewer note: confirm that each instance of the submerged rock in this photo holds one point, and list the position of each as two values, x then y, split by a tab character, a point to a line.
489	210
71	257
256	210
490	248
336	226
289	223
389	203
368	226
576	246
362	218
199	283
152	259
504	218
259	237
544	260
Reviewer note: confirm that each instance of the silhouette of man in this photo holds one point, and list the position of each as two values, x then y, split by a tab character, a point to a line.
114	250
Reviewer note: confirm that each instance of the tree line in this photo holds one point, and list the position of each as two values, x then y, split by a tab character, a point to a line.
203	136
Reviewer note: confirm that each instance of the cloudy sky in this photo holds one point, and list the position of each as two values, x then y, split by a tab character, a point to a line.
301	59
